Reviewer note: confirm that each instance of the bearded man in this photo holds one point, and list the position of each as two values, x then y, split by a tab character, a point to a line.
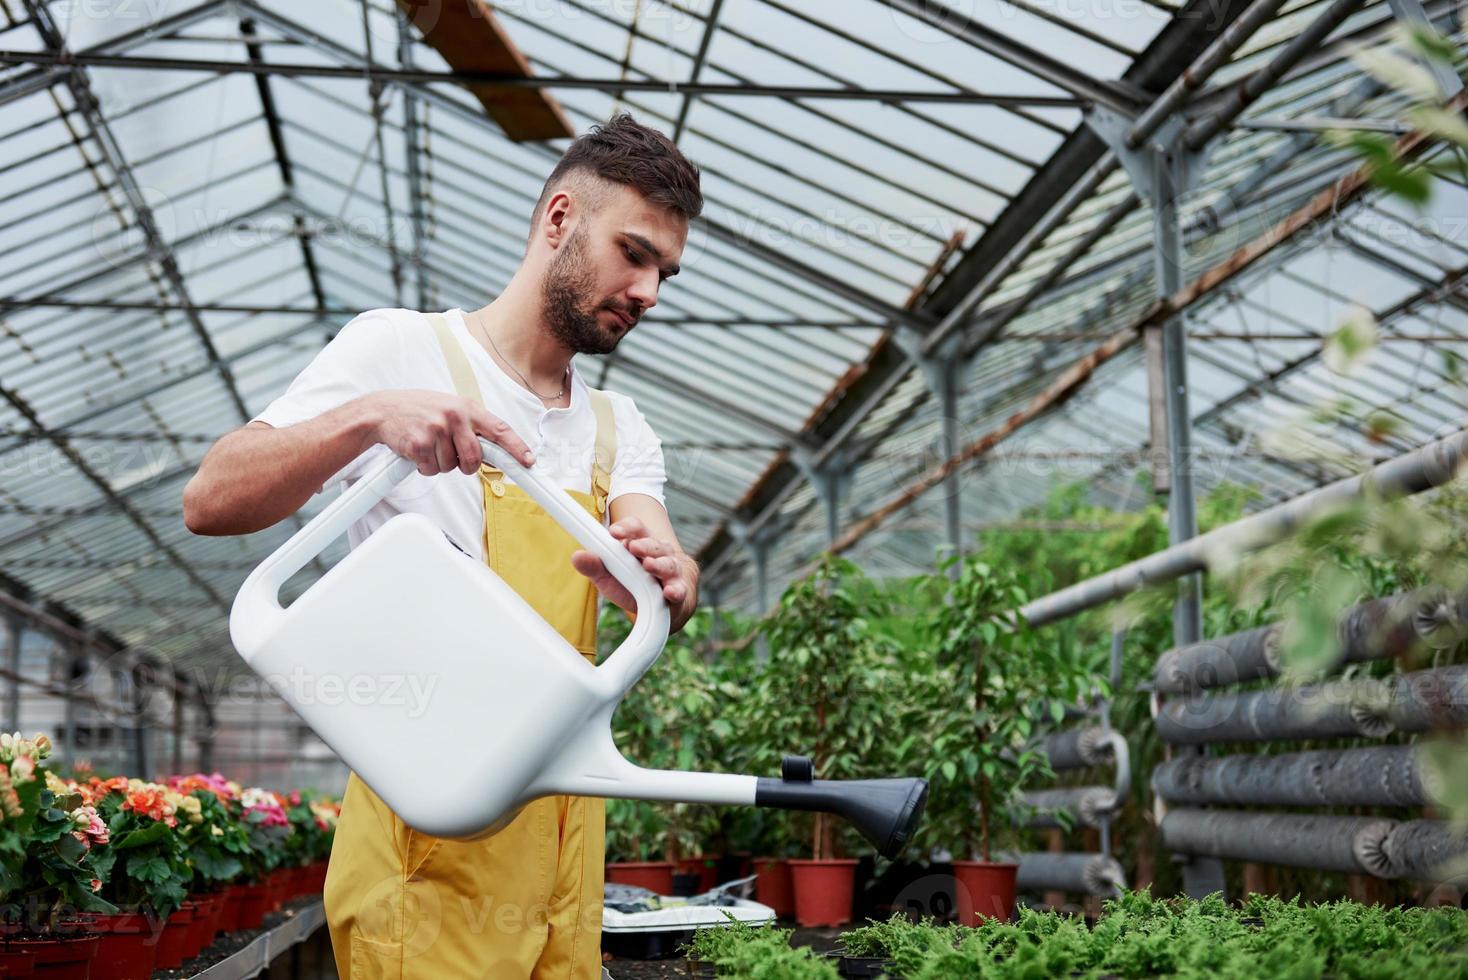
610	225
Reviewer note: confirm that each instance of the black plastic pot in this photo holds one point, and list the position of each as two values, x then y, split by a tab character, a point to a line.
861	966
685	884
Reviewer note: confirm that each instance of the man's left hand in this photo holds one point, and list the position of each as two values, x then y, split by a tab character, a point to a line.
662	558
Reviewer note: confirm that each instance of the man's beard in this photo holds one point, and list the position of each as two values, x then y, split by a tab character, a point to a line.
566	302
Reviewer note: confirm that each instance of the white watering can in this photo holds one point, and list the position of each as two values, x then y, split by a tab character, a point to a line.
457	704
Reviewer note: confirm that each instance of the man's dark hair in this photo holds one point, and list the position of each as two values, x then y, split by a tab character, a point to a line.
624	151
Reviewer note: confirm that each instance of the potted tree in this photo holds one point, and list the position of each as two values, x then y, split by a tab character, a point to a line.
829	677
978	758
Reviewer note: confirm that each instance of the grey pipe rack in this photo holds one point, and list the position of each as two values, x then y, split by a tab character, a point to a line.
1382	775
1087	805
1357	708
1076	748
1088	874
1323	842
1371	630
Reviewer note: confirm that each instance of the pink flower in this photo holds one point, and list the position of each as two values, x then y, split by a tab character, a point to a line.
96	884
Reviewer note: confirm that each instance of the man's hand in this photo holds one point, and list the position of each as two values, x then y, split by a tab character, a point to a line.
658	551
440	432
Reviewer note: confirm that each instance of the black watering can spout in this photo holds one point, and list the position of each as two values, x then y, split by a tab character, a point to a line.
885	811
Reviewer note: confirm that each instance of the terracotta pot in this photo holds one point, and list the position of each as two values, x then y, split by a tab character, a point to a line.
222	902
656	876
823	891
773	886
229	911
175	936
254	903
705	867
128	945
983	890
16	964
58	957
198	935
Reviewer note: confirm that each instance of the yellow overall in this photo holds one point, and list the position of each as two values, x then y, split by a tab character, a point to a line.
525	902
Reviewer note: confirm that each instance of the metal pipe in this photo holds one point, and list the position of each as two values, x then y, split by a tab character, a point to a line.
1086	805
1195	75
1426	850
1089	874
1388	626
1359	708
1430	466
1354	845
1384	775
371	73
1075	748
1244	94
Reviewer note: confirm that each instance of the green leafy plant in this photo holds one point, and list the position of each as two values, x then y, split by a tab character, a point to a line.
979	740
833	682
48	842
757	953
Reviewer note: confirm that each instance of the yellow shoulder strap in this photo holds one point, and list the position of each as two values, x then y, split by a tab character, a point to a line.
605	456
465	384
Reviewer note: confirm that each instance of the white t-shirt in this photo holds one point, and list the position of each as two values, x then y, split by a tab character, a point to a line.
386	349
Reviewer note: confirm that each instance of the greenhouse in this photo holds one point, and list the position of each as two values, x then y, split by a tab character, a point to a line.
575	489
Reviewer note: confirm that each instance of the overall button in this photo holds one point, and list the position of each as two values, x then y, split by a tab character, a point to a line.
497	488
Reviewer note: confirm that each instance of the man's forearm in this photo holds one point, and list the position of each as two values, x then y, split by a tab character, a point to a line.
257	476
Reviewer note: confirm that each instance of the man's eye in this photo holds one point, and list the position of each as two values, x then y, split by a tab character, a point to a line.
632	256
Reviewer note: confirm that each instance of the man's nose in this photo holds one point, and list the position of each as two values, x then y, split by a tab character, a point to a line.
644	291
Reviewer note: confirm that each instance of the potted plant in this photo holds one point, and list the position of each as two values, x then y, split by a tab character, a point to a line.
214	842
830	678
144	871
47	878
978	758
267	829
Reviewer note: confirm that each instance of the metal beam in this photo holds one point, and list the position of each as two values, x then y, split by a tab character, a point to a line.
112	154
1119	98
711	24
282	155
1048	197
468	79
1432	465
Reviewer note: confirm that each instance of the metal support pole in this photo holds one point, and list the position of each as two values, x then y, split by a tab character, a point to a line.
75	665
206	734
14	639
412	148
952	510
180	705
137	680
1167	189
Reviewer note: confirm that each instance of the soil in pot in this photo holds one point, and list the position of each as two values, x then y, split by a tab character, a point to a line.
773	886
983	890
823	891
58	957
656	876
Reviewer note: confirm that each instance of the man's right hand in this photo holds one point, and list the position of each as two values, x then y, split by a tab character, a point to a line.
438	431
258	475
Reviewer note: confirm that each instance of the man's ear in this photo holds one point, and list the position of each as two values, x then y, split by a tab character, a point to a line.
555	223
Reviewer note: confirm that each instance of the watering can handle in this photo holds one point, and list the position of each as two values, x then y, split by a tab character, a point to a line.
258	601
640	650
